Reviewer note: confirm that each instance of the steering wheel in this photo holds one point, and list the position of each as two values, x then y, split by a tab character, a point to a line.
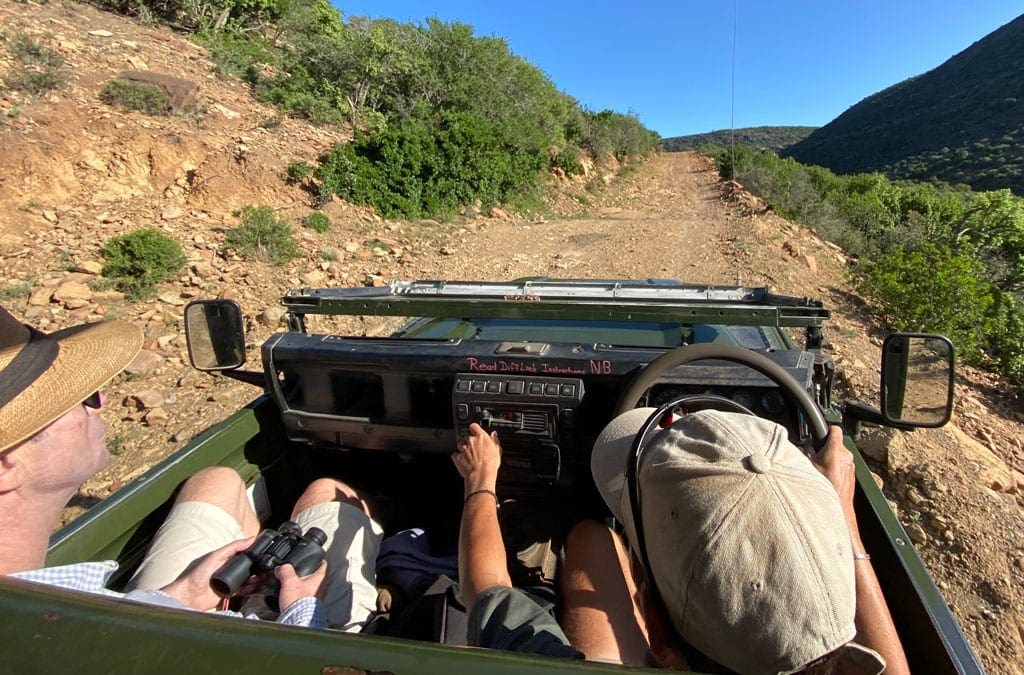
702	352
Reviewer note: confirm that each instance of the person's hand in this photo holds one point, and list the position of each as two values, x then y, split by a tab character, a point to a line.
192	588
478	458
836	463
294	587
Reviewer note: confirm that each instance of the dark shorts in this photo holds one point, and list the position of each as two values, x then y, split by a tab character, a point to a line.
508	619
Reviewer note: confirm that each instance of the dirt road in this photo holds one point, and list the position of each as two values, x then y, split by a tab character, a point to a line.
666	221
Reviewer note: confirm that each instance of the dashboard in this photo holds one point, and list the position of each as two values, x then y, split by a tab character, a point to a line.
547	401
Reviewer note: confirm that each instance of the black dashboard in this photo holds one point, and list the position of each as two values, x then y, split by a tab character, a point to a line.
548	401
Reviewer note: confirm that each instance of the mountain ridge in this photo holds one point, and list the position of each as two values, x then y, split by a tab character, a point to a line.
960	122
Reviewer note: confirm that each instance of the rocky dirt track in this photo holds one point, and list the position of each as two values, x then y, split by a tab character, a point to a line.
74	172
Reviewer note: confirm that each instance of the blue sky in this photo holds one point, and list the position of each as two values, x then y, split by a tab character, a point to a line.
670	63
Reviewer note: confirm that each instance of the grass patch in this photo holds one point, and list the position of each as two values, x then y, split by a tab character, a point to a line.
146	98
263	235
38	68
17	289
330	254
317	221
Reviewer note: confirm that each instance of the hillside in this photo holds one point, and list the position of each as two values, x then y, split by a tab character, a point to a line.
769	138
75	172
962	122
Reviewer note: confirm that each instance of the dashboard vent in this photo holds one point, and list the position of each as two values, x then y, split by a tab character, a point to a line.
535	422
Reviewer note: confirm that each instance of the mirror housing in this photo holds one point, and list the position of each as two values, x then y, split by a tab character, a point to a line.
917	380
215	334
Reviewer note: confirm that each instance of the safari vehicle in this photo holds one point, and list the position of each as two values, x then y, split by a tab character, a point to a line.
545	362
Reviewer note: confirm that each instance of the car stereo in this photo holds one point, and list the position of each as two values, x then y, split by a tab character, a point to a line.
535	418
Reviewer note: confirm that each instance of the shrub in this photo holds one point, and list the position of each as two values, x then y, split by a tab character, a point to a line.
317	221
234	53
263	235
569	160
38	67
139	260
146	98
296	171
425	168
932	289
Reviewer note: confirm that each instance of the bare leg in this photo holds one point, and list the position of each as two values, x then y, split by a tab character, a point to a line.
193	529
600	614
222	487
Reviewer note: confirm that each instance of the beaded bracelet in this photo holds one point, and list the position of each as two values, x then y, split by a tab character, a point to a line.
484	491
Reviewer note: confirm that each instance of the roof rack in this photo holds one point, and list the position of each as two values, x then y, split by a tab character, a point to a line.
567	299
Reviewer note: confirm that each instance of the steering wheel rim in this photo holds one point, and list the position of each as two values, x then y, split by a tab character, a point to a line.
646	378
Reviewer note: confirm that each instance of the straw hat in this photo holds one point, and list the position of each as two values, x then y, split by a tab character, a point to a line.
746	540
44	375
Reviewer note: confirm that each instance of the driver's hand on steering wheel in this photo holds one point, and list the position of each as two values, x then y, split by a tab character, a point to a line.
835	462
477	458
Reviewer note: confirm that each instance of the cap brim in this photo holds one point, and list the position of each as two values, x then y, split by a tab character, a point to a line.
611	451
860	659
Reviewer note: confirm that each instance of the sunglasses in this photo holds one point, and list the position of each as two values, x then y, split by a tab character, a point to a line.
95	401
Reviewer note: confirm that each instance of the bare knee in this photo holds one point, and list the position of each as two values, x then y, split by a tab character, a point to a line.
208	484
324	490
222	487
587	535
591	544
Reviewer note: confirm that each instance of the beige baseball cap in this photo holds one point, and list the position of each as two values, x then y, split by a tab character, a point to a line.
746	540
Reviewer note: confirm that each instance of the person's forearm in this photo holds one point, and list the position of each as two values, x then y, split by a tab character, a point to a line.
875	627
482	561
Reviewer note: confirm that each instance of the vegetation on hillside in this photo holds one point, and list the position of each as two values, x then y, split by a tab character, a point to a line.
769	138
38	67
443	118
962	122
932	257
139	260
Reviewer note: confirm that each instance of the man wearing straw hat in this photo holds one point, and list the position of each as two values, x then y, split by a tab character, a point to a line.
52	441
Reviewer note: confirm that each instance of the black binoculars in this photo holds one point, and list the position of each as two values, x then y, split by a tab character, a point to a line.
272	548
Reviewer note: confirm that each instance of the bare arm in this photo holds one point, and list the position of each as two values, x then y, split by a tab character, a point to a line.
481	549
875	627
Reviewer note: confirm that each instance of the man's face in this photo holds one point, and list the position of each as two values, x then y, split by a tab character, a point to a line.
69	451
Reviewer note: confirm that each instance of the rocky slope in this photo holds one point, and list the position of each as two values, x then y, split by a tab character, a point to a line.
74	172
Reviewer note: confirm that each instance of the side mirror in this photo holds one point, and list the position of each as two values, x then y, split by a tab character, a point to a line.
216	338
917	380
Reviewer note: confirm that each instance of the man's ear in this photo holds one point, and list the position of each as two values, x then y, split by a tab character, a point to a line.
12	472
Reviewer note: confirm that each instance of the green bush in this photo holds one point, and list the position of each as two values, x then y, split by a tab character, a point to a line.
296	171
423	168
146	98
139	260
263	235
238	54
317	221
568	159
932	289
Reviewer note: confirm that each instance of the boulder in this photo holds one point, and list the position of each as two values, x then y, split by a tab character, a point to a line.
73	293
181	94
146	362
992	471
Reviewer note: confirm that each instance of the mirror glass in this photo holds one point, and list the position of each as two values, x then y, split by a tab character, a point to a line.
216	339
917	379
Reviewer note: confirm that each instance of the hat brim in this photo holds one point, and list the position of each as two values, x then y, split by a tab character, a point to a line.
609	457
88	357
